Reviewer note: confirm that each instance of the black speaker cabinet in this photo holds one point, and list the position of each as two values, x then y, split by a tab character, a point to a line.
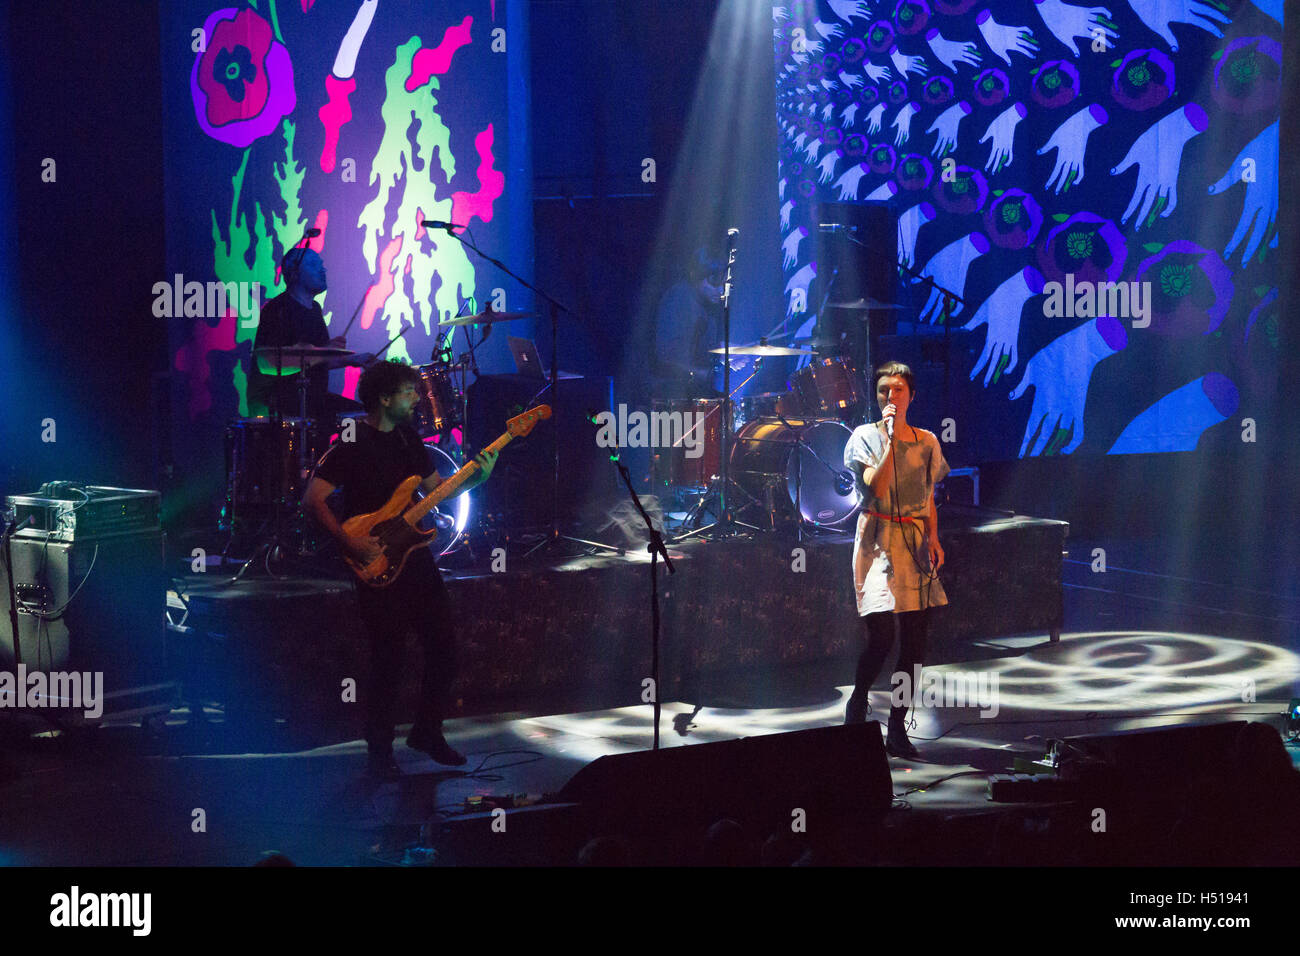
115	621
832	771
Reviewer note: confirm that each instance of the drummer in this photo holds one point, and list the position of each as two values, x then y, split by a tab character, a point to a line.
688	322
293	317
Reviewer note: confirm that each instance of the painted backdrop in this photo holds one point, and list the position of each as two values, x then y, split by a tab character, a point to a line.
359	119
1034	150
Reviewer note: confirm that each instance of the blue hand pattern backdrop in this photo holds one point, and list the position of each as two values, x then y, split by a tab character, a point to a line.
1032	151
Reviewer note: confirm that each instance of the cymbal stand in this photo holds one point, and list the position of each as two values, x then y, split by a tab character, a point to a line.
726	525
270	548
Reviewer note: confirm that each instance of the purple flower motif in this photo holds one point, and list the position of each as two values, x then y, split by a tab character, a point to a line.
806	188
815	72
991	87
965	194
881	158
1013	219
1055	84
1143	80
832	64
898	92
241	85
833	136
1191	289
1086	245
813	129
880	36
1248	76
914	172
853	51
869	95
911	16
855	145
937	91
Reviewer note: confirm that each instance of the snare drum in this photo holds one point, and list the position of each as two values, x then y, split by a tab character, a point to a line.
438	409
686	435
830	388
768	464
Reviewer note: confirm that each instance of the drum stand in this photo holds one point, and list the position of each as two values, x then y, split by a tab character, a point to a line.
726	526
276	546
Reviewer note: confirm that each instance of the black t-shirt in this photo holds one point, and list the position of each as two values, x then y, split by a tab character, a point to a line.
369	468
285	321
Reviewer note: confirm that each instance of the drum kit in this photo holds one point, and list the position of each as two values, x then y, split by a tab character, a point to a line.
270	460
786	448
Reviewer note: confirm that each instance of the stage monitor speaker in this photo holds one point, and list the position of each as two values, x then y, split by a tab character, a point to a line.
1155	761
115	593
830	771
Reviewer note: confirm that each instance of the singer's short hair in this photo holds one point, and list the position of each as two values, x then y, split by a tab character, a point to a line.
384	379
890	369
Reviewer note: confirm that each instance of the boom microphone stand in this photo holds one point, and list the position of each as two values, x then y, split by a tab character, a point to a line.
555	308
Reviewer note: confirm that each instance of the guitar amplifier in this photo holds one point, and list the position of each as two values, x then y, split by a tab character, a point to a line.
81	512
93	607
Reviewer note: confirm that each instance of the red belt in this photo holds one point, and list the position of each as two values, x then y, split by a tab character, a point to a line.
920	522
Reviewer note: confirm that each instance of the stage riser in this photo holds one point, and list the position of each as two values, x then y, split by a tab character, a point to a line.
582	636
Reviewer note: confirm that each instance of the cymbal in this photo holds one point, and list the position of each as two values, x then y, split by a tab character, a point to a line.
763	351
302	351
483	318
864	304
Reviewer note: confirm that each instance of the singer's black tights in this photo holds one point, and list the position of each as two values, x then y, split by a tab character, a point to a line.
878	632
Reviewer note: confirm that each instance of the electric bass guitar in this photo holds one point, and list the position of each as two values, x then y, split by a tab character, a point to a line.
396	524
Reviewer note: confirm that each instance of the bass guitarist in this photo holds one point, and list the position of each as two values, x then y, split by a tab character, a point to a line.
385	451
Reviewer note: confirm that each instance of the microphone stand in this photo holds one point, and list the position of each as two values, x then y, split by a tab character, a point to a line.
555	537
656	547
726	525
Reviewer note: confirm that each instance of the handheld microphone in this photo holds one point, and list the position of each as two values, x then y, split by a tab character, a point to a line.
439	224
312	233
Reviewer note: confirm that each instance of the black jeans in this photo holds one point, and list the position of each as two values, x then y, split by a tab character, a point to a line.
417	601
878	633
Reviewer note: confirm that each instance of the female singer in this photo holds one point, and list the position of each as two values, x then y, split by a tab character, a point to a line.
896	552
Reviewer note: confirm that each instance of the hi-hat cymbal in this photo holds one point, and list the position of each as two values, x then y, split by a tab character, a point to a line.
864	305
483	318
762	351
302	351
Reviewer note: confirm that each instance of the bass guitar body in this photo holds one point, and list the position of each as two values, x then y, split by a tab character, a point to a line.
397	536
397	524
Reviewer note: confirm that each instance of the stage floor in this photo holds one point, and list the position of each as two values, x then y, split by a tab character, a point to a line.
1141	648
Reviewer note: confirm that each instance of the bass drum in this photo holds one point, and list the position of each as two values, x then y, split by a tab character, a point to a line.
451	517
768	464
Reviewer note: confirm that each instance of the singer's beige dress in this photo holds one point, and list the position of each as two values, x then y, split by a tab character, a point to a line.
891	561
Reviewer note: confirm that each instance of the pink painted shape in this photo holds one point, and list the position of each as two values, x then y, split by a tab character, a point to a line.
322	223
492	184
351	375
378	293
419	218
334	115
407	270
435	62
307	5
192	358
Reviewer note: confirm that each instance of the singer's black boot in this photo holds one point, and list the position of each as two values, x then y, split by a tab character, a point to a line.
896	742
855	712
